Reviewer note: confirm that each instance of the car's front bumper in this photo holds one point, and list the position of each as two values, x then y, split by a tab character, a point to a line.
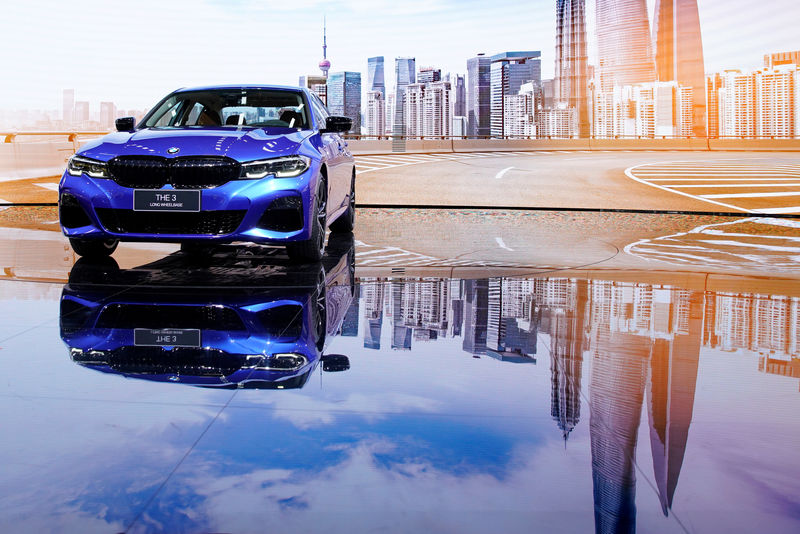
268	210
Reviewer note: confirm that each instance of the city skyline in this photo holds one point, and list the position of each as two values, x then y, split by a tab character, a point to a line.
45	68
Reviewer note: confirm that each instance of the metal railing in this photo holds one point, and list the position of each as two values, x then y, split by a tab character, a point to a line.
72	136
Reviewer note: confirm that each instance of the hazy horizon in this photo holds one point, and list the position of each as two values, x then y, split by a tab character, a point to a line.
133	54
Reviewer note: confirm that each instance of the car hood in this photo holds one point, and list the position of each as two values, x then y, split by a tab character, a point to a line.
242	144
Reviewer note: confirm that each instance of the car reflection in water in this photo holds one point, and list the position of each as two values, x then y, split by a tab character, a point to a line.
242	317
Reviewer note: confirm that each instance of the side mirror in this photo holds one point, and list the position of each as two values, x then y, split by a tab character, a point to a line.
334	363
125	124
337	124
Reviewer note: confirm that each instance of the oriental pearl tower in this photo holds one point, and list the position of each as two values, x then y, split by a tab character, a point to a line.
324	65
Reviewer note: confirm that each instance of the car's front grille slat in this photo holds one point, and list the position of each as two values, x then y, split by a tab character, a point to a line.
206	317
191	172
180	360
219	222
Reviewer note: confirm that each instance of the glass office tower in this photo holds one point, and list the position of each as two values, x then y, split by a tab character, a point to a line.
344	96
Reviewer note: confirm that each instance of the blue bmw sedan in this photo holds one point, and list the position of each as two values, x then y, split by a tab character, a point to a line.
208	165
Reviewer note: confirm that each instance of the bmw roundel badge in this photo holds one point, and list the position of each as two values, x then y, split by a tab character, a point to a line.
173	150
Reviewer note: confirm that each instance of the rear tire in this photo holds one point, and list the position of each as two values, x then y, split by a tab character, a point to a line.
312	249
347	220
93	248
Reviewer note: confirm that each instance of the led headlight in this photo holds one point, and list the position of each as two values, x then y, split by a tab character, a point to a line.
80	165
285	167
287	361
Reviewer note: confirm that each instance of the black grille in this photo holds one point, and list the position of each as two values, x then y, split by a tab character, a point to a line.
150	316
219	222
192	172
70	212
183	361
284	214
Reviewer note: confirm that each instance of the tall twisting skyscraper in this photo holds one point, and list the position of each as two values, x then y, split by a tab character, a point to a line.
625	51
572	72
679	53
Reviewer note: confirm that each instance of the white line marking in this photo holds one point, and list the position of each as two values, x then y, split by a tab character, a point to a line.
502	244
754	195
793	209
502	173
629	174
733	185
51	187
718	179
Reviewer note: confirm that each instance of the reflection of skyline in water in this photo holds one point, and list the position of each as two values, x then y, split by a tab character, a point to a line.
644	342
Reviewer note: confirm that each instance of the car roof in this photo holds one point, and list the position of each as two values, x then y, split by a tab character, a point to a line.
241	86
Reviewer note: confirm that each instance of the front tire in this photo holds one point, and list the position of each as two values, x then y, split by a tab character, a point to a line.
312	249
347	220
93	248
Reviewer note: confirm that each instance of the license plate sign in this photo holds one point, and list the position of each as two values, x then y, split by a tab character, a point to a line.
166	200
168	337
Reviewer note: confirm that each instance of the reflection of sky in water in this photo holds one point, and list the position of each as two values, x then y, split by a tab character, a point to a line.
426	439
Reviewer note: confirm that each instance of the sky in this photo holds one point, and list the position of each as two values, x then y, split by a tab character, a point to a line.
133	53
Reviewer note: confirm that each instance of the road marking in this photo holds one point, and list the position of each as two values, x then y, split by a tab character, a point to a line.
502	244
722	174
702	186
502	173
49	186
794	209
754	195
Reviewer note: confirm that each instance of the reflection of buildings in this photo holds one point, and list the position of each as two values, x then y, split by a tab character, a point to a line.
643	339
568	341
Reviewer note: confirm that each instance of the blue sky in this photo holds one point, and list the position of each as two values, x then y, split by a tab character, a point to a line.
134	52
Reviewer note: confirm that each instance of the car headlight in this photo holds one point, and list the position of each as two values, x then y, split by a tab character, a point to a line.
91	167
285	167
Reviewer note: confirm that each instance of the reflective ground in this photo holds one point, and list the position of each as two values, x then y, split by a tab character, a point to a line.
439	371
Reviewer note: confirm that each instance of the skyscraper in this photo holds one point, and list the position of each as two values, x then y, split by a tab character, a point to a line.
509	70
572	73
679	53
405	74
344	96
375	79
479	94
429	75
624	47
459	96
437	109
781	58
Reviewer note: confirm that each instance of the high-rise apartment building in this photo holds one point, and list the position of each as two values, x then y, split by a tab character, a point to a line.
624	46
714	83
571	80
556	122
318	84
68	106
375	75
781	58
344	96
509	70
776	101
437	109
479	94
520	113
81	113
679	53
413	109
391	98
375	116
762	103
108	113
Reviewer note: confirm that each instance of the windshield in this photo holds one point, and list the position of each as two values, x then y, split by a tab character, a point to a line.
231	107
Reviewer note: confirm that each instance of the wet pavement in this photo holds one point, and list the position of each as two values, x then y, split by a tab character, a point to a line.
598	372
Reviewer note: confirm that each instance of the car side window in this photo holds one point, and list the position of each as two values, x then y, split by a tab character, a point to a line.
320	113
